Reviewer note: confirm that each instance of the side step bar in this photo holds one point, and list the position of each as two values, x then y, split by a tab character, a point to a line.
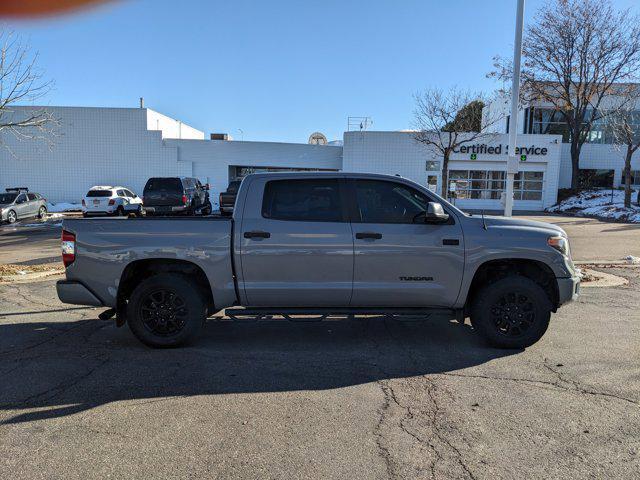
320	314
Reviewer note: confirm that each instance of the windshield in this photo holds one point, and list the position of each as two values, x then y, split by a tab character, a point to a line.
7	197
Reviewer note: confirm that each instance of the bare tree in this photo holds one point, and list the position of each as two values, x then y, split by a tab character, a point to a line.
576	55
444	121
624	126
21	82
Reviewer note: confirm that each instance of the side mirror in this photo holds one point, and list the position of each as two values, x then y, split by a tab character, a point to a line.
207	186
435	213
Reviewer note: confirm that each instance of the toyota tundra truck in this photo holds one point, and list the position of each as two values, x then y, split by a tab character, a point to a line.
321	244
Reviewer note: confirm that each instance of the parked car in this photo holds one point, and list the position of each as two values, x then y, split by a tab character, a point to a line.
322	243
228	197
18	203
108	200
176	195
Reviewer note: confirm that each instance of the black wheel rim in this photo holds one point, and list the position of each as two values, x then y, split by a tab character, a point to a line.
163	312
513	314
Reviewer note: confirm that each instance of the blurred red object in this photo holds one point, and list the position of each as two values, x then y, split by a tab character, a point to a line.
38	8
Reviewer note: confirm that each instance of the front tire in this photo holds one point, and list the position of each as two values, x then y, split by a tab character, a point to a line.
42	212
166	310
513	312
12	217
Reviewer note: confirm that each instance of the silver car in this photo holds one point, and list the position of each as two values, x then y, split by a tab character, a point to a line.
18	203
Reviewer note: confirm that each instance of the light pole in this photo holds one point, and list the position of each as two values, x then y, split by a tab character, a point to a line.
512	160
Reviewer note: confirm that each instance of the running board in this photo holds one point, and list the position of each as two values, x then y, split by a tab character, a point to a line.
320	314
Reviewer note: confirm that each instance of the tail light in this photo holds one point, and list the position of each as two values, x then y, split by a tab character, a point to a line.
184	199
68	248
112	202
84	204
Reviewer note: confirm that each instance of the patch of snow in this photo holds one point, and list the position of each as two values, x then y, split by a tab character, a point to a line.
55	215
63	207
631	260
598	203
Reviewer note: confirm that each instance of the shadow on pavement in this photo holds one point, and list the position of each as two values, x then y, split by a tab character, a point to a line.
53	369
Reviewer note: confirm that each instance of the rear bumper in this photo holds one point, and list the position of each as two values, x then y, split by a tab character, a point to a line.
164	209
76	293
568	289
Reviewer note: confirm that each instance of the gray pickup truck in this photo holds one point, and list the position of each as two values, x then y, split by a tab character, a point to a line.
322	243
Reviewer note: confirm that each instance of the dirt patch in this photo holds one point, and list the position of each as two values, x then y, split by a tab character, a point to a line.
12	273
11	269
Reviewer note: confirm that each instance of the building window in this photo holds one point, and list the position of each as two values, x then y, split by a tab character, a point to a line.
593	178
433	166
551	121
635	178
489	184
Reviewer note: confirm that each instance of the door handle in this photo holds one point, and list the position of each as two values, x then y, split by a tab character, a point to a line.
257	234
450	241
362	235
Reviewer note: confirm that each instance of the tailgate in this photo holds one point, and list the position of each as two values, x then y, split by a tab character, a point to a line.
162	199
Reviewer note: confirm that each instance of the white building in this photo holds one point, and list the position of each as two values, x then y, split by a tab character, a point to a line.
601	162
477	170
126	146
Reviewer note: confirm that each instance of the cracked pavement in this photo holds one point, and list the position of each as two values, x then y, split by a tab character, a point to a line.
366	398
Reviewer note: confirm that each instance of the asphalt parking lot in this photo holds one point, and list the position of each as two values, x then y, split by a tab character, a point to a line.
370	397
363	398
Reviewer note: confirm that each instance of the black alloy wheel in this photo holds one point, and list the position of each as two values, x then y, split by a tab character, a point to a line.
163	312
513	314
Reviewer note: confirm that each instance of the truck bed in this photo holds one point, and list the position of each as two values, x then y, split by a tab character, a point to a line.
105	247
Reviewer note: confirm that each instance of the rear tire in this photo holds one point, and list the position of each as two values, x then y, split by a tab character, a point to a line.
166	310
120	212
513	312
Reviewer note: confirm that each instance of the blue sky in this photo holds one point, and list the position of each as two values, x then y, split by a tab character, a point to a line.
278	70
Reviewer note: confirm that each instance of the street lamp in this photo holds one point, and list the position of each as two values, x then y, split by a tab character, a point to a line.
512	160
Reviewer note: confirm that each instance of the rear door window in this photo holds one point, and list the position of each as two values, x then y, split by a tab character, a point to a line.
121	193
303	200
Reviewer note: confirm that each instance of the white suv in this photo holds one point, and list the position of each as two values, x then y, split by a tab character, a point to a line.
107	200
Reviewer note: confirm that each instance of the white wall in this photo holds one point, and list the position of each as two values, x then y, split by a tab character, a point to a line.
211	158
597	157
101	146
170	127
93	146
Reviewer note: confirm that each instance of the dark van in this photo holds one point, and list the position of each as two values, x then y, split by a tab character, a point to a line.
175	196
